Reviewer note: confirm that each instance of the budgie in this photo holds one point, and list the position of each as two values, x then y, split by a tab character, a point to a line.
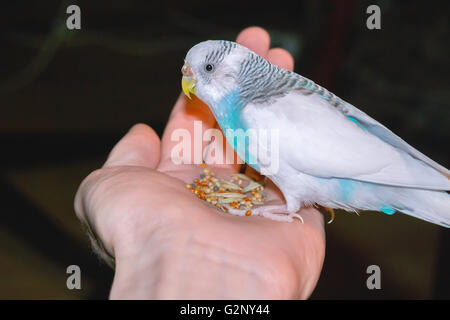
330	153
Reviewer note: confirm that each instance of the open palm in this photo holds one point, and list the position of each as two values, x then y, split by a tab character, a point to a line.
168	244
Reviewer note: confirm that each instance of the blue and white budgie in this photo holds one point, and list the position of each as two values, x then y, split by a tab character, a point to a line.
330	152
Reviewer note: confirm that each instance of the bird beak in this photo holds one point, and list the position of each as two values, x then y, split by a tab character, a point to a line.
188	81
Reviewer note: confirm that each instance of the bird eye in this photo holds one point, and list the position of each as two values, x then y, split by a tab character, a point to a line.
209	67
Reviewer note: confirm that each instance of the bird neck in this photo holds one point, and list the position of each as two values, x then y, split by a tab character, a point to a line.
229	116
227	111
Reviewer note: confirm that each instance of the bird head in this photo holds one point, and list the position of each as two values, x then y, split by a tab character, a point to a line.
211	69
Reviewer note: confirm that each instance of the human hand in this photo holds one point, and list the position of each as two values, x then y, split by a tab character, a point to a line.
167	244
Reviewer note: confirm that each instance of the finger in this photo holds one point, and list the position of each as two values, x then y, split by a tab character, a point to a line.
139	147
192	117
281	58
256	39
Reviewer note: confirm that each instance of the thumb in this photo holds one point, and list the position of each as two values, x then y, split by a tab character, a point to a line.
139	147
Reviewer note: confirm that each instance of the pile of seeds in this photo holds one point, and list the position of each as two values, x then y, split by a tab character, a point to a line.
242	192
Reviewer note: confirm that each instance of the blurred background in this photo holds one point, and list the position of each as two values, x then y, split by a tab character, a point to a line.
67	96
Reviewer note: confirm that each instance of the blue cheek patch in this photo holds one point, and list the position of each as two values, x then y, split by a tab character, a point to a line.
388	210
229	117
228	111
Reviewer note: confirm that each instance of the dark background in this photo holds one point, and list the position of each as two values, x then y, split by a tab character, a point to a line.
67	96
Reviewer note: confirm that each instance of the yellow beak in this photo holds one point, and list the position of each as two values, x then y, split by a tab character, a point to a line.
188	85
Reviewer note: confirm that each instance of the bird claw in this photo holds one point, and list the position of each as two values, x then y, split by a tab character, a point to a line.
296	215
331	211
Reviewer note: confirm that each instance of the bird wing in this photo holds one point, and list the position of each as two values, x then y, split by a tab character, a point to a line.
388	136
328	141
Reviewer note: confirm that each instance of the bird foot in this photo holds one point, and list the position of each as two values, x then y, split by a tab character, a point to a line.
273	212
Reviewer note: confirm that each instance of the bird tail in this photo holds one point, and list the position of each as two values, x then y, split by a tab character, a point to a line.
428	205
